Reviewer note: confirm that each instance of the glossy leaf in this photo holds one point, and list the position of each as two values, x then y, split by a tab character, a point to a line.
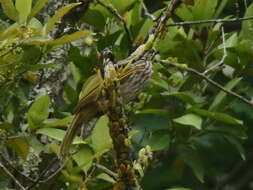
105	177
222	117
24	8
222	95
247	25
84	158
190	119
58	122
159	141
100	137
62	40
237	145
39	111
182	96
191	158
58	134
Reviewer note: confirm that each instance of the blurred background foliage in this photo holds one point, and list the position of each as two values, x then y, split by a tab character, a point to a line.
200	137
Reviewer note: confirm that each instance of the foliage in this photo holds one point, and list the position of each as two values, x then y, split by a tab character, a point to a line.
196	131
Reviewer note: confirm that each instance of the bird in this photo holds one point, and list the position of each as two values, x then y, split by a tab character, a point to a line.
133	75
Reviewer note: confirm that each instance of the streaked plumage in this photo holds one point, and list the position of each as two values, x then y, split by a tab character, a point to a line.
132	81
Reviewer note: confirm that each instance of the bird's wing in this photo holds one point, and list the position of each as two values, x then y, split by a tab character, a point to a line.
90	92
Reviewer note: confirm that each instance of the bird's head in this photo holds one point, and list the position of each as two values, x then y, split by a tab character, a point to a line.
107	55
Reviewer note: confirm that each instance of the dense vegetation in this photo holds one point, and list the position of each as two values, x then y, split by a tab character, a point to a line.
191	126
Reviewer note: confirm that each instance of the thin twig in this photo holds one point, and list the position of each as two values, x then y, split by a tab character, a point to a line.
220	63
53	174
160	27
110	8
201	75
88	177
42	174
146	13
106	170
215	21
8	163
12	177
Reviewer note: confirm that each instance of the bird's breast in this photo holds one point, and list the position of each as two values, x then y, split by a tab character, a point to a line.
132	85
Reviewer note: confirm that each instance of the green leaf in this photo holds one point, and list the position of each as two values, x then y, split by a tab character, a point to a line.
39	111
105	177
247	26
70	95
84	158
9	9
159	141
154	111
232	140
20	145
37	7
222	117
58	122
200	11
135	14
11	30
57	16
189	119
100	137
222	95
192	158
35	24
189	98
35	144
58	134
120	5
204	9
95	19
151	122
62	40
220	8
24	8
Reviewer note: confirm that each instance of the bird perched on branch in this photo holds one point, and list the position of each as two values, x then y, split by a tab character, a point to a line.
133	73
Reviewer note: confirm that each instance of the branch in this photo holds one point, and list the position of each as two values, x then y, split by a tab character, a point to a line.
10	165
146	13
12	177
215	21
45	172
201	75
160	27
110	8
113	106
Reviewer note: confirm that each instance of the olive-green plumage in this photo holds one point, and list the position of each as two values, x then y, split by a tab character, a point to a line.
132	80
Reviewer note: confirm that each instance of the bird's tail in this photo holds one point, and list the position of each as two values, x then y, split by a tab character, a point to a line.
79	119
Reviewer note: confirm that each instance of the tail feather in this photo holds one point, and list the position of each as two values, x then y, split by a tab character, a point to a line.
76	123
